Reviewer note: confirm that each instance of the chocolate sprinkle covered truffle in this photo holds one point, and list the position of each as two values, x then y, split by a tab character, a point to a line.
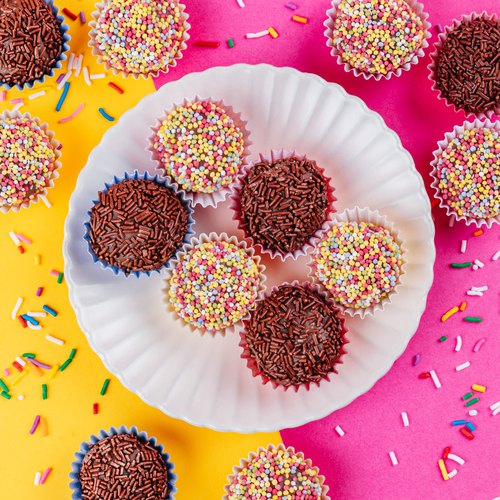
121	467
294	336
137	225
30	40
468	66
283	203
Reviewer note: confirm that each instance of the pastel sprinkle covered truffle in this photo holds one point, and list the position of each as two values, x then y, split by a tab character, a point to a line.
28	160
359	263
214	284
468	173
378	36
200	146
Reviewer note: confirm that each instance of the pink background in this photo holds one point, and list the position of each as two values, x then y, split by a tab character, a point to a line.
357	465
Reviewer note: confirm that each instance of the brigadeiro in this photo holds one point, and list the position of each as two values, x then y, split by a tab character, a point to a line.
465	64
293	337
138	224
281	203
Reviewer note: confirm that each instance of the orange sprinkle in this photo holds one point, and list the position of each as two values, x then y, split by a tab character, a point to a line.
449	313
462	306
43	427
300	19
479	232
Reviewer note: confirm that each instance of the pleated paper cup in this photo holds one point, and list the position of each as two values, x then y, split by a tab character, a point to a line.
374	217
438	153
417	8
271	157
200	198
142	437
97	52
205	238
252	363
55	146
272	449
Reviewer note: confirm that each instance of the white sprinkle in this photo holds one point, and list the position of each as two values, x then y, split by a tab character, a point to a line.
35	314
404	416
78	65
452	473
474	267
458	345
452	221
241	3
463	366
496	411
17	107
21	361
34	327
97	76
475	293
339	430
479	263
479	288
472	413
494	406
435	379
259	34
394	460
36	482
46	201
71	61
55	340
19	302
88	81
20	397
14	238
36	95
456	458
496	256
67	76
463	246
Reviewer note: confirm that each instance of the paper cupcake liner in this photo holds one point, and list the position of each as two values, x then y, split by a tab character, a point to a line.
57	164
203	199
162	181
434	56
274	155
244	462
252	363
108	67
142	437
205	238
417	8
450	136
358	214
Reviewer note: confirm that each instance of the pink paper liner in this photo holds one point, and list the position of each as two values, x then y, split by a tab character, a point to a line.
274	155
417	7
97	53
274	448
434	55
251	362
196	198
358	214
450	136
204	238
57	164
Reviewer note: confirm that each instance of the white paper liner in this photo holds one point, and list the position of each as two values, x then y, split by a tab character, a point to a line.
450	136
197	198
417	7
57	164
205	238
273	156
358	214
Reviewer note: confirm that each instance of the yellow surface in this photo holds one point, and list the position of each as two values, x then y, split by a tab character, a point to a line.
202	458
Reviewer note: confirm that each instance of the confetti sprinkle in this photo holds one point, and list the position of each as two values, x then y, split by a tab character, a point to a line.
472	402
36	481
456	458
496	256
97	76
60	278
241	3
273	32
467	433
83	19
478	264
473	319
44	391
230	43
95	408
443	338
463	366
470	426
291	6
86	76
472	413
462	306
479	232
416	359
406	421
458	422
49	310
339	431
460	265
393	458
45	475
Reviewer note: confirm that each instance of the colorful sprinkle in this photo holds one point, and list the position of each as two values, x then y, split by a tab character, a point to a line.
473	319
18	305
339	431
463	366
95	408
273	32
44	391
105	387
35	424
70	117
479	232
456	458
36	481
60	278
448	314
49	310
458	422
63	96
460	265
406	421
458	344
462	306
463	246
45	475
65	365
259	34
416	359
443	338
479	388
106	115
83	19
393	458
230	43
207	43
116	87
435	379
472	402
54	340
300	19
468	434
442	468
69	14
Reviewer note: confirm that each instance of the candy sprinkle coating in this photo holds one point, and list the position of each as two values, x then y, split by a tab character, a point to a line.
27	160
468	173
214	285
359	263
200	146
377	37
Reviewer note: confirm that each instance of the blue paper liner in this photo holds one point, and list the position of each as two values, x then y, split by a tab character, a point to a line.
147	177
142	437
58	64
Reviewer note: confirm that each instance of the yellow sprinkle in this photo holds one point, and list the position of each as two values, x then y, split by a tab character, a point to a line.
43	427
479	388
18	378
442	467
273	32
449	313
52	372
37	260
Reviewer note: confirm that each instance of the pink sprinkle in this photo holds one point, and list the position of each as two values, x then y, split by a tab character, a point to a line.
39	364
35	424
54	272
478	345
3	96
83	19
23	238
6	371
438	28
45	475
39	291
16	101
292	6
60	78
59	147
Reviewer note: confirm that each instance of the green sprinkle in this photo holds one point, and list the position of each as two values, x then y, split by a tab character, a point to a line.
60	278
473	319
472	402
29	355
3	385
467	396
230	43
105	387
65	365
72	354
44	391
5	395
461	265
443	338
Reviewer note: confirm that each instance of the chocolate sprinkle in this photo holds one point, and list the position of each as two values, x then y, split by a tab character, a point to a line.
468	66
282	204
137	225
294	336
30	40
121	467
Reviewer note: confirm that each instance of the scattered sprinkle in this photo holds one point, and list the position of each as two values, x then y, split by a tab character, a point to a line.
446	452
207	43
105	387
435	379
300	19
44	391
114	86
97	76
449	314
63	96
39	364
443	338
36	481
23	322
438	28
259	34
5	395
406	421
65	365
95	408
478	263
466	396
35	424
394	460
54	272
458	422
83	19
3	385
479	232
86	76
460	265
456	458
230	43
291	6
24	239
72	353
473	319
36	95
442	468
495	406
70	117
54	340
60	278
14	238
416	359
470	426
105	115
458	345
51	311
478	388
339	431
472	402
496	256
273	32
241	3
45	475
29	319
467	433
462	306
463	366
463	246
472	413
69	14
18	305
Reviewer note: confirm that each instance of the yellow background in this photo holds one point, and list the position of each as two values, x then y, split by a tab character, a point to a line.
202	458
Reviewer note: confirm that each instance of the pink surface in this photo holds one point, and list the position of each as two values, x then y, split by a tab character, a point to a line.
357	465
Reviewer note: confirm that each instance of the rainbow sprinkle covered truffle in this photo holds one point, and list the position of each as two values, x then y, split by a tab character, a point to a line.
140	36
377	36
276	473
200	146
28	160
214	284
468	173
359	263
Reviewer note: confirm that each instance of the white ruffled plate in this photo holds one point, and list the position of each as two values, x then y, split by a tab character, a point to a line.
202	379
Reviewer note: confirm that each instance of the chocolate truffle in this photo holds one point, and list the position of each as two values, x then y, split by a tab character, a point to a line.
137	225
293	336
121	467
30	40
283	203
